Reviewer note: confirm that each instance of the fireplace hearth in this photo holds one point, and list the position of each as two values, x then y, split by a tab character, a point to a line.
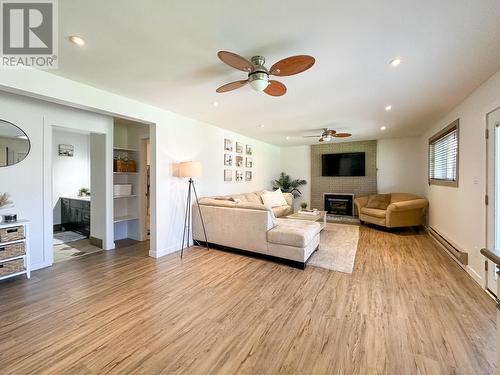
339	204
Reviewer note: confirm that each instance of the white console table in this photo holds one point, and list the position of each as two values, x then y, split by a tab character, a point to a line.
14	249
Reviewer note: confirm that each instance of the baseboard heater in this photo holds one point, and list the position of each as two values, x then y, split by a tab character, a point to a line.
459	255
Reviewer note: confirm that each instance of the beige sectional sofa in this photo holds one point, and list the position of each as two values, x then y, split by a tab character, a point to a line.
243	223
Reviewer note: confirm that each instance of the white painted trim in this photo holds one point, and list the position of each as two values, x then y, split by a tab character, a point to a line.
48	220
468	270
163	252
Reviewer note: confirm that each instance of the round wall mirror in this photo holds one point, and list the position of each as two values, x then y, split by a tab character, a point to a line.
14	144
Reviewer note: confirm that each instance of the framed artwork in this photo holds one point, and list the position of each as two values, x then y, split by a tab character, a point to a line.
249	150
239	161
228	145
66	150
239	176
228	160
248	176
249	162
239	148
228	175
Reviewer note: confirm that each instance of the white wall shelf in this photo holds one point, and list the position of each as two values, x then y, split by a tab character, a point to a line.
120	219
124	196
124	149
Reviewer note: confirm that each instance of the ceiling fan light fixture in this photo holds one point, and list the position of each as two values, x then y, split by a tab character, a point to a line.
259	81
327	138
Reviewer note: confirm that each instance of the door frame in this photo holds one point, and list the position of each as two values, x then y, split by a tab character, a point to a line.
47	163
490	283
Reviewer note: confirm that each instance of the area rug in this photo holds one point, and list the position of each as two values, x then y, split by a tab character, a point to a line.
66	237
337	248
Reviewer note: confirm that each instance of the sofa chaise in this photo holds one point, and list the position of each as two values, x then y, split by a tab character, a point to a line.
242	223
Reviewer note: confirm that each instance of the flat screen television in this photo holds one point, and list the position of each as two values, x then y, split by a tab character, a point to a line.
342	165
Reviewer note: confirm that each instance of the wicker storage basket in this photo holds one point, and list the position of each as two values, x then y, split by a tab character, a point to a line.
13	266
121	165
12	250
11	234
131	166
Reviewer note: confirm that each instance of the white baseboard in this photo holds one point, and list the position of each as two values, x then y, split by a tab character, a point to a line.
163	252
471	272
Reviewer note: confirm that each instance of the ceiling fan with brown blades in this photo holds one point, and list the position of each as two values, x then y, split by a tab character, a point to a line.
328	134
258	75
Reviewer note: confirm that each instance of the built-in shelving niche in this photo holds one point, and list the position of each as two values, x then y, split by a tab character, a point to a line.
131	142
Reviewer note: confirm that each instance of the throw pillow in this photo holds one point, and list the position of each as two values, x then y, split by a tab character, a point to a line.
231	199
379	201
273	199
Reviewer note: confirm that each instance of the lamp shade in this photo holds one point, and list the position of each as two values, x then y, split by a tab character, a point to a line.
189	169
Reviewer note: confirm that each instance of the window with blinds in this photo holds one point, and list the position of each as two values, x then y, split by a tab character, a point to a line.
443	156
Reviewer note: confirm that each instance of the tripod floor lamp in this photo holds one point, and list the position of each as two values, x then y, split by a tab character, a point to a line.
190	169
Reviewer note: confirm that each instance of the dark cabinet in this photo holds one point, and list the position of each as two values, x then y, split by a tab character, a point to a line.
75	215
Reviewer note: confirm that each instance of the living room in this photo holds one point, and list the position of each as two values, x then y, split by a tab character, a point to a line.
372	98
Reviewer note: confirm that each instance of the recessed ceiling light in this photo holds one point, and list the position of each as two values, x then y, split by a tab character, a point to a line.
261	125
388	107
78	40
287	137
383	127
396	61
215	104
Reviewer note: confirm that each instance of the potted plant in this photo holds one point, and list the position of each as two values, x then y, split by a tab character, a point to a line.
83	192
303	205
287	185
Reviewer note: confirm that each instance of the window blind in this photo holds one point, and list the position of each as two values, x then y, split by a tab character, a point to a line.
443	156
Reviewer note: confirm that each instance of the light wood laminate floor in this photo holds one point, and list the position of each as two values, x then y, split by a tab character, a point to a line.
406	309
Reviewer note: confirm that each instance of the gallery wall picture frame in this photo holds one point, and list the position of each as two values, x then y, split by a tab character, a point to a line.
228	160
228	145
239	147
239	176
249	150
248	176
228	175
239	161
249	162
66	150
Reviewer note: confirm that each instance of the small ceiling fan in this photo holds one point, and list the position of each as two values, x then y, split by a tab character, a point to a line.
258	75
328	135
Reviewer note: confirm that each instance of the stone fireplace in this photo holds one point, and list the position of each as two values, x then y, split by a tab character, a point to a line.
339	204
352	185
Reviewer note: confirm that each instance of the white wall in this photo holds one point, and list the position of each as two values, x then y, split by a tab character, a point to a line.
187	139
100	196
25	180
296	161
460	213
173	138
399	165
69	174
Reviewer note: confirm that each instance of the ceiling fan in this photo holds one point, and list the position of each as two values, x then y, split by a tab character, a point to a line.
328	135
258	75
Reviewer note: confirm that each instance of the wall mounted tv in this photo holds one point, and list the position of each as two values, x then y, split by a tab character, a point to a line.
342	165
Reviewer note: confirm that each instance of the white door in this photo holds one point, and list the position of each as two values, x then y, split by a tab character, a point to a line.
493	194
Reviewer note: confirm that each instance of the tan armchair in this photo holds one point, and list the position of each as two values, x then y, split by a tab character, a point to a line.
405	210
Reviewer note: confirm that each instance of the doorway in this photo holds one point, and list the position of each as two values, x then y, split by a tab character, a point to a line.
493	196
77	192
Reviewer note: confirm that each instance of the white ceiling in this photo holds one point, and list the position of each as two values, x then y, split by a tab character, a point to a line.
164	53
